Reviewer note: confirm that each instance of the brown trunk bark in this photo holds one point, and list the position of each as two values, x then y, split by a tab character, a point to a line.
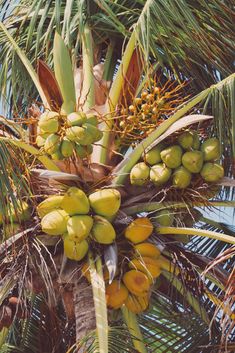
84	311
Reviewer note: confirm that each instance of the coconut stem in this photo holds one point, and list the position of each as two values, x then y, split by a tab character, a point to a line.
200	232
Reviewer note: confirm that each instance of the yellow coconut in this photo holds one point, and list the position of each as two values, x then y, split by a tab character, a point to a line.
116	294
137	304
103	231
79	227
75	202
148	265
48	205
147	249
55	222
75	251
136	282
139	230
105	202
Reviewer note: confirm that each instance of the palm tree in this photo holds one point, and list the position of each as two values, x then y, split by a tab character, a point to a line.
100	56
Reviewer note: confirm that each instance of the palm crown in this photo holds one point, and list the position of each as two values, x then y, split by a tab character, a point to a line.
105	180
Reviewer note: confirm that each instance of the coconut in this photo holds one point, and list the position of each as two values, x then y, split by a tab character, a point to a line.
92	119
136	282
76	119
137	304
103	231
73	250
57	156
75	133
79	227
147	265
193	161
160	174
181	178
66	147
48	205
164	218
172	156
55	222
211	149
52	144
105	202
116	294
139	174
83	151
139	230
75	202
212	172
49	122
41	139
92	130
186	140
153	156
147	249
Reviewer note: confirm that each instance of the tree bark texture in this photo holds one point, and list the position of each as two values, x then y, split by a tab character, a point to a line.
84	311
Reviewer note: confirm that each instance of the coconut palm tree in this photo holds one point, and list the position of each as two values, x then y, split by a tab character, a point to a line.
103	59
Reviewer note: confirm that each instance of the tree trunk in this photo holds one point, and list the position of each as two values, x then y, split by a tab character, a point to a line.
84	311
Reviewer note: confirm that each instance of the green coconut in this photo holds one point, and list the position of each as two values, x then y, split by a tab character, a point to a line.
76	119
75	251
92	130
75	133
181	178
55	222
160	174
139	174
57	156
103	231
172	156
193	161
153	156
186	140
212	172
164	218
41	139
105	202
75	202
81	150
52	144
92	119
79	227
49	204
211	149
66	147
49	122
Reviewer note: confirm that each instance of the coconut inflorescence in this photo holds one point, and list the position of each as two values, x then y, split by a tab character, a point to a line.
61	136
80	219
178	164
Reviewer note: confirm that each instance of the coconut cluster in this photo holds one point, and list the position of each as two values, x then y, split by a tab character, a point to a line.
15	216
79	219
133	290
61	136
180	162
